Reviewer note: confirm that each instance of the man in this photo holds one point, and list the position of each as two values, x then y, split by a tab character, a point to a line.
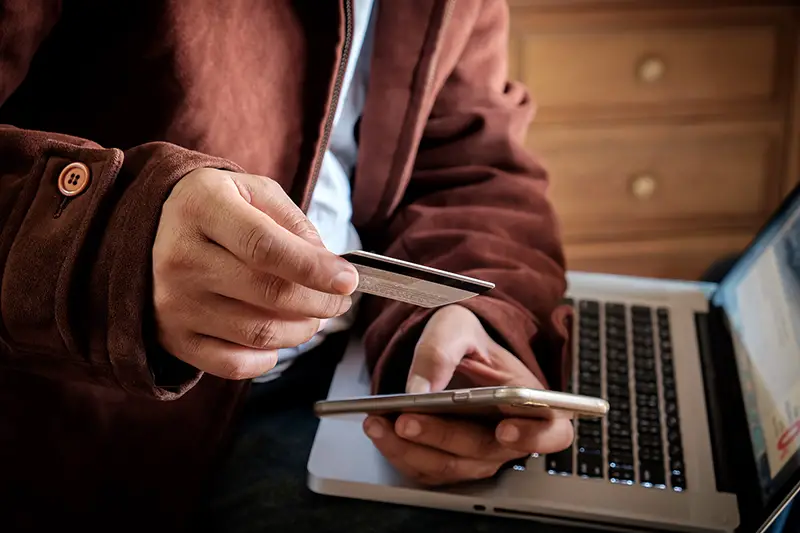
176	181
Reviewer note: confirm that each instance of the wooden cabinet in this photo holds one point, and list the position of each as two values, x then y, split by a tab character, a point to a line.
670	129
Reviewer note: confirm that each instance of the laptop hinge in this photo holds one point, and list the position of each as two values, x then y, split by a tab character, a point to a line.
710	356
734	466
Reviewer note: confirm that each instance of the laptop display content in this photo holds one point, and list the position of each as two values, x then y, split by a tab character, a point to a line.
761	301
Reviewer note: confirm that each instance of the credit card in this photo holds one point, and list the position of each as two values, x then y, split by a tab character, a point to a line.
411	283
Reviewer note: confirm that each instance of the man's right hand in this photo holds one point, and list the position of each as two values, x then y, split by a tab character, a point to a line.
239	272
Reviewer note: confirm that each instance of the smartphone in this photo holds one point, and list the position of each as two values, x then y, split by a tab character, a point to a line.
493	403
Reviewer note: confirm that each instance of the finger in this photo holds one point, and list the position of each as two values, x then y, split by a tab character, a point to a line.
457	437
247	325
535	436
223	359
448	336
433	466
268	197
224	274
263	244
434	363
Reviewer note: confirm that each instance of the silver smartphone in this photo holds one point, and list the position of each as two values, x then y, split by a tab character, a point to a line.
483	402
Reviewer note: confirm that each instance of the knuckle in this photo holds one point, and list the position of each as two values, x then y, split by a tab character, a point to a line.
176	260
486	471
433	352
486	444
332	305
262	335
279	292
256	245
446	469
233	370
311	329
442	437
191	203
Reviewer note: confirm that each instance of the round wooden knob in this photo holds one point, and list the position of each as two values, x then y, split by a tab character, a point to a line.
651	69
643	186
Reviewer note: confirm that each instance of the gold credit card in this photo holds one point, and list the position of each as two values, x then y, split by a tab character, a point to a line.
411	283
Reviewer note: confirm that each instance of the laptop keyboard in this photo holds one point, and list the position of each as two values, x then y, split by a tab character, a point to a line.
624	354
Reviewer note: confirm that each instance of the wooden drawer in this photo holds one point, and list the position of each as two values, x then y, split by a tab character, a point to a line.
642	180
649	62
686	258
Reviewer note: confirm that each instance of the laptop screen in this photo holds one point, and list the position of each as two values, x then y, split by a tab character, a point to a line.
761	298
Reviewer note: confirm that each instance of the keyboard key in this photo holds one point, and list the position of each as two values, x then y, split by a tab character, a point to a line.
678	483
588	365
652	472
615	309
616	378
593	445
617	356
590	465
616	475
590	430
620	460
589	344
618	390
647	414
560	463
650	454
590	378
671	408
590	390
647	400
647	388
589	307
620	445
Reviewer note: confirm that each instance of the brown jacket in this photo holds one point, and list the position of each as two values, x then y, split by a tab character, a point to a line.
95	420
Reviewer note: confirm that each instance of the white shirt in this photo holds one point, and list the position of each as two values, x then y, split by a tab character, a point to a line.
331	207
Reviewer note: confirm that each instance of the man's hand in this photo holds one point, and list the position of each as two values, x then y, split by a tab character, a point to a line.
239	272
437	451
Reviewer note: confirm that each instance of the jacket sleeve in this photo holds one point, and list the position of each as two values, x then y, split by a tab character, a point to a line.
476	204
75	273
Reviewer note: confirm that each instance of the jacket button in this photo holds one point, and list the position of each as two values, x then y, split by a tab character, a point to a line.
74	179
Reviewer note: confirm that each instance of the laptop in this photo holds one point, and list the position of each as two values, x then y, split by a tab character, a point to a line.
704	386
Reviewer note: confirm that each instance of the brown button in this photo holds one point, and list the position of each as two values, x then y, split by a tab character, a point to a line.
74	179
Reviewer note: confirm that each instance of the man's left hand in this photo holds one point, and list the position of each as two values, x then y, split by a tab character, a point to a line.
435	451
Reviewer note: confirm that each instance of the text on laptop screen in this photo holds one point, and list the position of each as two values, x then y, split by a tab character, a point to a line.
761	298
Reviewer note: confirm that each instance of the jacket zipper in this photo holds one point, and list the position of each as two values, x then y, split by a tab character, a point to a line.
337	89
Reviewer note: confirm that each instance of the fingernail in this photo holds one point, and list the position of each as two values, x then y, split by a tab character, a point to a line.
373	428
508	433
418	385
346	281
411	428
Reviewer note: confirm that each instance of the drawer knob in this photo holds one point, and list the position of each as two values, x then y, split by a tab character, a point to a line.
643	186
651	69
